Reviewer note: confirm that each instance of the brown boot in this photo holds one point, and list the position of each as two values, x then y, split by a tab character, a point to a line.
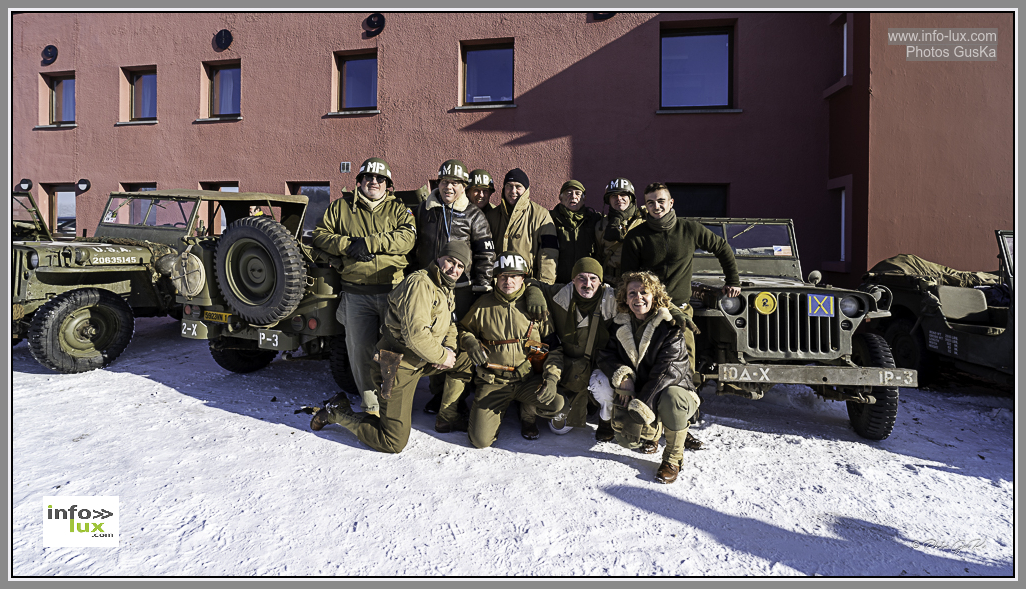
667	472
320	419
692	443
648	447
605	432
457	425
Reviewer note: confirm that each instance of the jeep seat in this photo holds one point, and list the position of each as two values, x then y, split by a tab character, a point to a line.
965	305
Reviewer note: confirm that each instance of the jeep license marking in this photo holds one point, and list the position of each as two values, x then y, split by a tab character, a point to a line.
115	260
189	328
217	317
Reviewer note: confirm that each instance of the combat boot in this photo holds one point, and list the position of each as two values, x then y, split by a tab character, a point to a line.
459	424
692	443
529	430
667	472
605	432
339	411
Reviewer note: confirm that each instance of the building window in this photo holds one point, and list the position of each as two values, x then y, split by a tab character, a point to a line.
62	214
357	81
699	200
62	100
696	68
225	88
144	95
488	73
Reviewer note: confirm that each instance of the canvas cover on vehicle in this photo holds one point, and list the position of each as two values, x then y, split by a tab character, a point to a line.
912	265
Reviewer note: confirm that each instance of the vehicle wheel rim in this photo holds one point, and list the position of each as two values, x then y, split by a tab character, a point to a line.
904	352
87	331
250	272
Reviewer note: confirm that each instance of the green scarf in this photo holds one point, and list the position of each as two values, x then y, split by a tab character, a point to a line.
509	298
618	221
571	218
440	278
665	223
586	307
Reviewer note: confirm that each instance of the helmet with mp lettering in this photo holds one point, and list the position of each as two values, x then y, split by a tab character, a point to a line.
454	171
619	186
481	179
376	165
510	262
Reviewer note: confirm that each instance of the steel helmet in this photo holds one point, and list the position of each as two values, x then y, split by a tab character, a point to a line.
617	186
510	262
481	179
453	170
376	165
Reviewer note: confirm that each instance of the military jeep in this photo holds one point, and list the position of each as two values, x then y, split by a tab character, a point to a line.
943	317
257	290
76	301
784	330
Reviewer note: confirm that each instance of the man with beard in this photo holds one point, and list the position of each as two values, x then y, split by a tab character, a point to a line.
419	327
575	227
624	215
372	231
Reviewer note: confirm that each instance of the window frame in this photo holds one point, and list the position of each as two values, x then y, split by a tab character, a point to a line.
213	70
52	191
134	77
700	32
341	59
51	82
466	47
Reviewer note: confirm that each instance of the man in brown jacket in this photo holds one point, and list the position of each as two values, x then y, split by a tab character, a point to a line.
418	326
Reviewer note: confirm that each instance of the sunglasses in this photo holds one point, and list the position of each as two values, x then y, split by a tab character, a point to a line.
375	178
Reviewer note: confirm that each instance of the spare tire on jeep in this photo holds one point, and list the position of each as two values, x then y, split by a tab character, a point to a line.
260	270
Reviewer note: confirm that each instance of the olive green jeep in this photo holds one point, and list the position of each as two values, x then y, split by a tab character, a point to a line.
257	290
943	317
76	301
784	330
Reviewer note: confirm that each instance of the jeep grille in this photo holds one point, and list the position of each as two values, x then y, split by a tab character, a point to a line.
790	329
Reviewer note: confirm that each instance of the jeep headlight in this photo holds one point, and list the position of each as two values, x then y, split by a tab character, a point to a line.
731	305
851	306
33	260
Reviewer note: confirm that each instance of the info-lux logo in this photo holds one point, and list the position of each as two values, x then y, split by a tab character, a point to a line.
81	521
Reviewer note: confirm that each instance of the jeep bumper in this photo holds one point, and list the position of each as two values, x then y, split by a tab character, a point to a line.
818	375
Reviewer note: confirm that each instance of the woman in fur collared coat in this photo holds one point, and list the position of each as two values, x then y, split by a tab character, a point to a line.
644	374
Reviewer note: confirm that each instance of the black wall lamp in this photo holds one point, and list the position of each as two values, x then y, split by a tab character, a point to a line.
25	185
83	185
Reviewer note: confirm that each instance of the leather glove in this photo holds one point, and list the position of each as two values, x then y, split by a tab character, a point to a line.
475	351
524	370
679	318
358	249
547	392
537	307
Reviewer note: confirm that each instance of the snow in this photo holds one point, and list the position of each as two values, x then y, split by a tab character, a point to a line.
216	479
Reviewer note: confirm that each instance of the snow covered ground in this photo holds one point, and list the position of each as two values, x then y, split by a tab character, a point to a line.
215	478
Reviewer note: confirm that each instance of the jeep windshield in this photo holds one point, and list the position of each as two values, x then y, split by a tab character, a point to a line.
753	239
146	212
762	247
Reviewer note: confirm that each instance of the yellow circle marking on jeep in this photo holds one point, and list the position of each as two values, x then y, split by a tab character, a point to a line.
765	303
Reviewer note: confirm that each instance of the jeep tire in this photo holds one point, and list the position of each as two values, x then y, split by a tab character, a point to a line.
873	422
909	349
81	330
260	270
241	357
338	359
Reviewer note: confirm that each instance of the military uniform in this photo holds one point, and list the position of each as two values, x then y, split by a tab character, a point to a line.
419	326
576	231
498	321
573	362
388	232
527	229
613	228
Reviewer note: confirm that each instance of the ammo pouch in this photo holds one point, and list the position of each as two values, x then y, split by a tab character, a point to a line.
576	374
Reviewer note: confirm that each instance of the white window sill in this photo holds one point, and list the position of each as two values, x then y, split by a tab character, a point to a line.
353	113
123	123
484	106
56	126
220	119
697	111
